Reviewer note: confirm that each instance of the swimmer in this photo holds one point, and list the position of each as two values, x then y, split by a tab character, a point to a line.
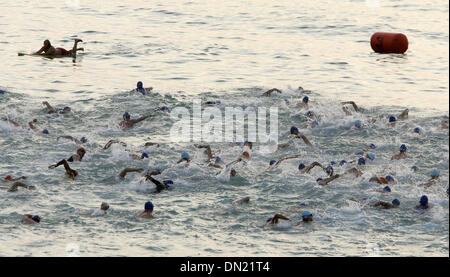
148	144
14	187
434	178
274	220
7	119
274	163
238	202
127	122
208	150
184	158
32	127
70	173
49	50
77	141
148	211
51	109
307	217
111	142
304	103
417	130
159	186
233	172
104	207
243	158
395	203
357	109
404	114
10	178
31	219
326	181
382	180
402	154
125	171
78	156
269	92
423	203
306	169
444	124
386	189
249	144
294	131
140	88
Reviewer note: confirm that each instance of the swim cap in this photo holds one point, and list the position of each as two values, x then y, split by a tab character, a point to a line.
396	202
329	170
272	162
2	91
9	177
75	172
314	123
305	99
126	116
168	182
362	161
371	156
165	108
139	84
232	169
423	200
306	214
185	156
144	155
434	173
83	140
332	162
359	152
382	180
218	102
294	129
389	178
387	189
246	154
218	159
36	218
66	109
392	118
205	152
414	168
309	113
358	123
319	179
403	148
287	101
304	204
81	149
417	130
269	219
45	131
148	206
372	146
301	166
342	162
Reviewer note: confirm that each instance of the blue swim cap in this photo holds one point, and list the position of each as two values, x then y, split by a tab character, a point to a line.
148	206
329	170
396	202
306	214
414	168
294	129
185	155
362	161
342	162
392	118
372	146
359	152
36	218
126	116
232	169
387	189
358	123
272	162
287	101
218	102
83	140
301	166
139	84
2	91
447	191
434	173
371	156
417	130
423	200
144	155
218	159
304	204
168	182
305	99
332	162
315	123
165	108
269	219
45	131
403	148
66	109
389	178
319	179
309	113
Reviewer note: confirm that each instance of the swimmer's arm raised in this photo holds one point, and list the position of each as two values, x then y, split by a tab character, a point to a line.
305	139
140	119
124	172
269	92
311	166
49	107
208	148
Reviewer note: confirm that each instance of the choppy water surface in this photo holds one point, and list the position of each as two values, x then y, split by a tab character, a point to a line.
232	52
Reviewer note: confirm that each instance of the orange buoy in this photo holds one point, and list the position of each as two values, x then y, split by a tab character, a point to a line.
389	43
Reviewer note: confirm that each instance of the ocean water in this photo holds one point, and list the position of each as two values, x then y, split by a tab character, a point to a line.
230	51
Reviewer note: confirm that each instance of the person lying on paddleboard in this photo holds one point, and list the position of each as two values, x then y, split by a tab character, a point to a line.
49	50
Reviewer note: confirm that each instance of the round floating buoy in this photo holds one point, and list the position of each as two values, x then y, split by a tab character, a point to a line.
389	43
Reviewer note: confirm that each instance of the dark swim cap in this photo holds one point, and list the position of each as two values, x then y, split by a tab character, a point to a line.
272	162
389	178
329	170
148	206
301	166
372	146
36	218
83	140
294	129
168	182
45	131
139	84
417	130
342	162
423	200
269	219
414	168
2	91
392	118
126	116
403	148
305	99
362	161
387	189
396	202
319	179
144	155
